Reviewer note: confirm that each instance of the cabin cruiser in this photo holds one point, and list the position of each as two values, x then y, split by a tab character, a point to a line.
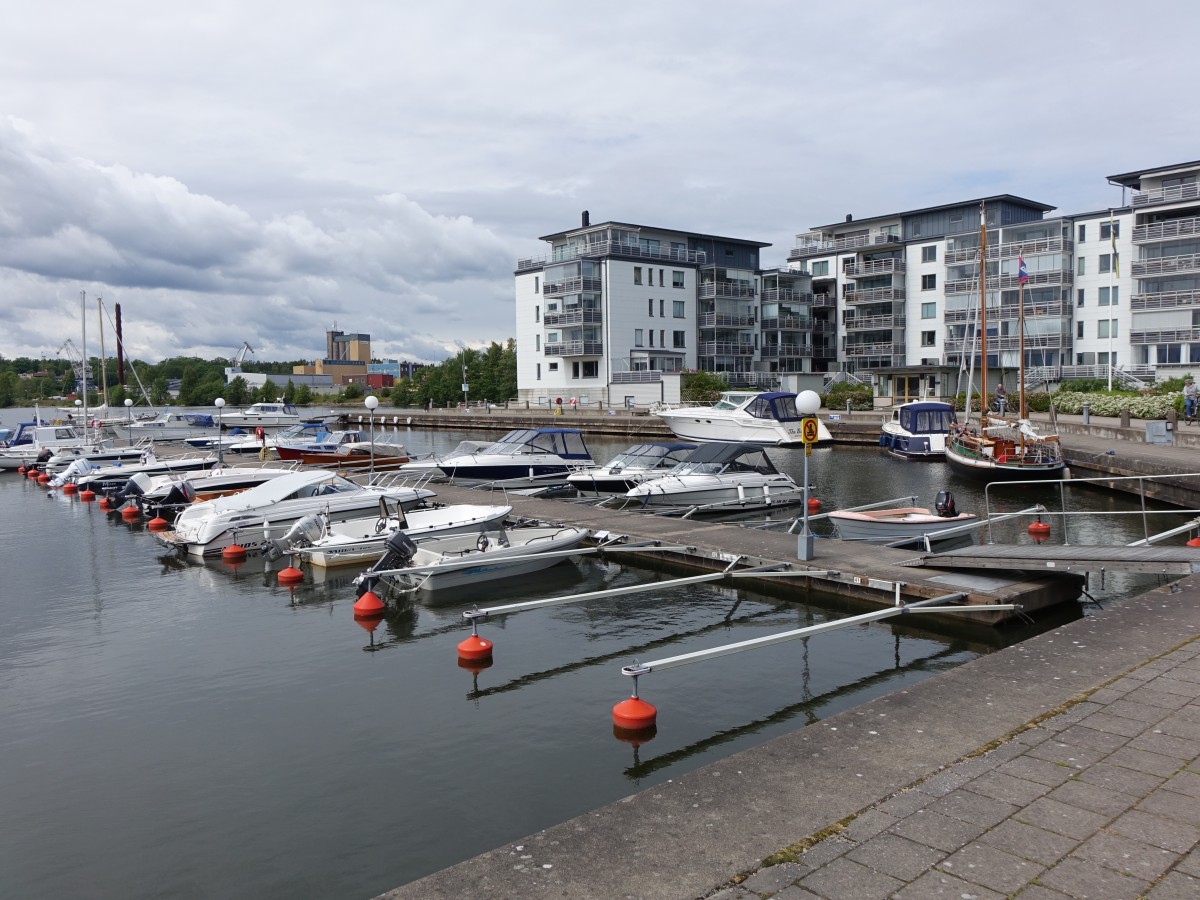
732	476
629	468
918	430
265	415
162	496
324	442
31	441
432	462
167	425
523	457
263	512
86	475
768	419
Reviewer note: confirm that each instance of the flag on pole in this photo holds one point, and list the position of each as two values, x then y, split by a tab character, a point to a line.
1022	272
1112	233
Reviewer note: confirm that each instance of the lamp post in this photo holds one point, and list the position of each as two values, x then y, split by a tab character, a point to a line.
464	381
129	421
371	403
78	405
219	403
807	404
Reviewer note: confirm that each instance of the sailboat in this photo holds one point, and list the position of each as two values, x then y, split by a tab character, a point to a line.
1002	448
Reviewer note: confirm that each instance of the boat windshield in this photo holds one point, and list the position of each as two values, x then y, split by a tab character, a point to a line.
928	420
335	484
567	444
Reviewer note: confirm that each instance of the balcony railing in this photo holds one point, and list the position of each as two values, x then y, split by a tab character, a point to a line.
1165	231
813	245
1009	342
877	349
786	351
784	295
725	348
1009	250
824	301
574	317
873	323
1007	312
1172	336
575	348
612	248
1167	265
723	320
869	268
1164	300
1007	282
640	376
711	290
874	295
1176	194
571	286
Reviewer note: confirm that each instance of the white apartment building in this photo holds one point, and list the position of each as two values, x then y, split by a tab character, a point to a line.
893	300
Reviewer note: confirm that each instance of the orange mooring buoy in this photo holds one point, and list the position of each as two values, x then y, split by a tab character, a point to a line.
43	479
634	714
129	513
290	575
814	503
70	487
158	523
474	648
1194	542
1038	528
368	606
105	503
234	552
87	496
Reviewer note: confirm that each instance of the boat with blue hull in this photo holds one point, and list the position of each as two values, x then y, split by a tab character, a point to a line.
918	430
534	456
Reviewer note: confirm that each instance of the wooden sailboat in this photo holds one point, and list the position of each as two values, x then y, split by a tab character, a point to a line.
1002	448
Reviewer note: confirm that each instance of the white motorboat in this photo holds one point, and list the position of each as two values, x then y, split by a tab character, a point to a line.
85	475
163	496
467	560
264	415
882	526
629	468
918	430
769	419
32	440
722	477
265	511
525	457
355	541
432	462
168	425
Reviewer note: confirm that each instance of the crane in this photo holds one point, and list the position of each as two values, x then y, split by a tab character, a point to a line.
235	367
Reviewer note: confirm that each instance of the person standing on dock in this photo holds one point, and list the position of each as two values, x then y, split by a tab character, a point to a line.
1189	401
1001	398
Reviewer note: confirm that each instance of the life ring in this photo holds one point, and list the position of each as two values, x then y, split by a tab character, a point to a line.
259	434
482	543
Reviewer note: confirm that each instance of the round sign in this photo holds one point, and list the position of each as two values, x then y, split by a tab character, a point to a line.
808	431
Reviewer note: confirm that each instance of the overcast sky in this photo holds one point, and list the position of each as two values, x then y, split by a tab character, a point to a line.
263	171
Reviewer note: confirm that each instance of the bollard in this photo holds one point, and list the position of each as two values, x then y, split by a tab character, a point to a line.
1087	413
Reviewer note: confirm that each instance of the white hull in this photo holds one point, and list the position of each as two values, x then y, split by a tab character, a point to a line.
688	426
740	490
886	525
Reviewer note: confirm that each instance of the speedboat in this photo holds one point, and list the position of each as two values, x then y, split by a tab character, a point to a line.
523	457
629	468
326	442
729	476
167	425
31	442
883	526
432	462
467	560
769	419
918	430
205	529
163	496
85	475
265	415
327	544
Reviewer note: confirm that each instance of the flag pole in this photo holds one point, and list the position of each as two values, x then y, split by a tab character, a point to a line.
1113	275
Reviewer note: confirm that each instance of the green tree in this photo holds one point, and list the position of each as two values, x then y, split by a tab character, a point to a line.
303	395
268	393
353	392
701	387
237	391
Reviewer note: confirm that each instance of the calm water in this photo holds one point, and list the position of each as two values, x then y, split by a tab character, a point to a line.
184	729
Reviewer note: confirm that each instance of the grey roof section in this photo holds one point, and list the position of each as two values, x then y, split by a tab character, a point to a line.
558	235
1044	207
1134	179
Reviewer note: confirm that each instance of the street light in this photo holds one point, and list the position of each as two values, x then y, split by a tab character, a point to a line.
129	421
219	403
807	404
78	404
372	402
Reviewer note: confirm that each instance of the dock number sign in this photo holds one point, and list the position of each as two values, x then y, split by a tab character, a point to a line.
808	431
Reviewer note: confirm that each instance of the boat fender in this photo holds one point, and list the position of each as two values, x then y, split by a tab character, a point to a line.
483	543
259	434
944	504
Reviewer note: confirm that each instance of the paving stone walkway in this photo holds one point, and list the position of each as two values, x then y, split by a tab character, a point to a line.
1100	801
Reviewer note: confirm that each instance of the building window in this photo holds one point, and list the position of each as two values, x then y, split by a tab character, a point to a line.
660	277
1168	354
537	342
650	307
1107	328
637	338
1105	262
536	285
929	282
1082	233
1115	295
1108	231
678	250
651	337
537	314
574	370
539	371
661	305
662	337
637	274
1078	329
929	254
1104	296
553	367
678	308
928	310
1081	266
820	269
677	279
928	338
1079	297
678	339
591	369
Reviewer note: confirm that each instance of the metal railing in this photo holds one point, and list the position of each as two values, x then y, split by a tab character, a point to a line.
1174	194
576	285
710	290
1009	250
1166	265
1166	336
723	320
612	248
811	244
725	348
638	376
867	268
1164	299
785	295
1007	282
574	317
874	295
786	351
1165	231
873	323
575	348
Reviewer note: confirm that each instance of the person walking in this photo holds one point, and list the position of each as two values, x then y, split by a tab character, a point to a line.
1189	401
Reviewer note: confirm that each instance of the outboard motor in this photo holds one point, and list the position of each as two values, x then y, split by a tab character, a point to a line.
944	504
133	489
304	532
180	495
398	554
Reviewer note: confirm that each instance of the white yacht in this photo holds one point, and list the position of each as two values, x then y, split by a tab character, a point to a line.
723	477
629	468
261	415
768	419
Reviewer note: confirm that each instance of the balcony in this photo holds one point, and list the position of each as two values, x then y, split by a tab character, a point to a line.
572	286
874	323
725	348
796	323
1008	282
612	248
640	376
787	351
1009	342
575	348
874	295
1173	336
1007	312
574	317
785	295
815	245
712	290
1164	300
1166	231
1185	264
873	267
1010	250
723	320
1177	194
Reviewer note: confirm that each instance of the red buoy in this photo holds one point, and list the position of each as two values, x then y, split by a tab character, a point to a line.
1038	528
105	503
368	606
290	575
129	513
634	714
1194	542
158	523
43	479
87	496
70	487
814	503
20	470
234	551
475	648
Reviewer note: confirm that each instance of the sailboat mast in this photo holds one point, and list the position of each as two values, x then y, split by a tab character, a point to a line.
83	353
1021	344
103	356
983	387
